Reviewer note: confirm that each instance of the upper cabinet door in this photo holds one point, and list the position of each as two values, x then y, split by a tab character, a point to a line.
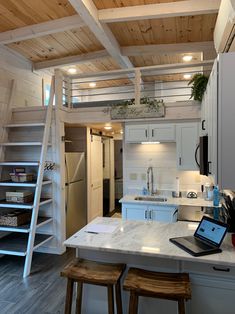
186	144
162	132
136	133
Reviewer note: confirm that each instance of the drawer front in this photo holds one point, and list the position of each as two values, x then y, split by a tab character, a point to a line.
209	269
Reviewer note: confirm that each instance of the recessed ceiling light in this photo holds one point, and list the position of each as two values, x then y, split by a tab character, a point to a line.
92	84
108	127
121	132
187	58
187	76
72	70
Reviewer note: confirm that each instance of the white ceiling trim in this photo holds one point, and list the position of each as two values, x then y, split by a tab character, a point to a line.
159	10
41	29
89	13
168	48
71	60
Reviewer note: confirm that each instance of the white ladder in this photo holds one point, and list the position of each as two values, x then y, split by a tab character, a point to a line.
28	239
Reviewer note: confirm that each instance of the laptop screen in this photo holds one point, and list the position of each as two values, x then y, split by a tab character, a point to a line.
211	230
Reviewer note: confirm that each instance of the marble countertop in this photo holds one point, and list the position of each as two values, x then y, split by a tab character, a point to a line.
170	201
147	238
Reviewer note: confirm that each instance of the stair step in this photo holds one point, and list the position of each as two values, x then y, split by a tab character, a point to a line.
16	244
26	228
19	163
22	125
22	144
23	184
5	204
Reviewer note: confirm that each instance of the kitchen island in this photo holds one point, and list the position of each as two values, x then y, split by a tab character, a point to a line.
146	245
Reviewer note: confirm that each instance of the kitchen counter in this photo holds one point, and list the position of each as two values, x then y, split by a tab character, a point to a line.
147	239
145	244
170	201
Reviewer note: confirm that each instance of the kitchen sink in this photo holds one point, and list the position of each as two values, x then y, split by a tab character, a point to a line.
150	199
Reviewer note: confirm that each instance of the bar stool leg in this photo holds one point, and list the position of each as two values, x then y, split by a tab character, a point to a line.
118	297
181	308
79	298
110	299
69	296
133	306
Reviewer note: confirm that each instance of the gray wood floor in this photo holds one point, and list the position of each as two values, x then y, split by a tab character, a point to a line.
42	292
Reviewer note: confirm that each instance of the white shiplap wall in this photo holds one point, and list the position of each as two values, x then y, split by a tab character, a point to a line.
29	84
137	158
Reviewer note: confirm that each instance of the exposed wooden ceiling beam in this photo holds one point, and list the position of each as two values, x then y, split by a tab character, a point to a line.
71	60
89	13
41	29
159	10
167	48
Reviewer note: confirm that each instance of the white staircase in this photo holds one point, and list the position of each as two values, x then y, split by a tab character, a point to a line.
24	240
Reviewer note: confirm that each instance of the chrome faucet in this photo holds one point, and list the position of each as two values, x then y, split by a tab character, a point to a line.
150	179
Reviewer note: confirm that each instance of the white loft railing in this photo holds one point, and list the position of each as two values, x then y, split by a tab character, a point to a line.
165	82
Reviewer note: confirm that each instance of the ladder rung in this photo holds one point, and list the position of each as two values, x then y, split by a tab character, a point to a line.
26	228
23	144
5	204
23	184
16	244
22	125
19	163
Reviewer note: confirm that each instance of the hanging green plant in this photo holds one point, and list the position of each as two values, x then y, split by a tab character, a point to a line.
199	82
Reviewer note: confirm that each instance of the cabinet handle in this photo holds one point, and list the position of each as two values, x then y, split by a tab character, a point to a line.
227	270
145	214
180	161
209	163
150	214
152	132
146	133
203	125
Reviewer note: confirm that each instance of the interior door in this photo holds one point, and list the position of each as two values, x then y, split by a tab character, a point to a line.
96	178
112	176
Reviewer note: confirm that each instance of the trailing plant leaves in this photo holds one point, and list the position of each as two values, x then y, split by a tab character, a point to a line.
199	82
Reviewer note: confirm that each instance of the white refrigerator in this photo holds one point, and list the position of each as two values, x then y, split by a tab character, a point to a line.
75	192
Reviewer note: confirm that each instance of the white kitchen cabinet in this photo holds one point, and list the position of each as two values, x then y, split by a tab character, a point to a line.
162	132
134	212
213	288
136	133
162	213
186	144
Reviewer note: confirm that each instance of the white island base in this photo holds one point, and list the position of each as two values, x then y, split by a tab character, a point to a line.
146	245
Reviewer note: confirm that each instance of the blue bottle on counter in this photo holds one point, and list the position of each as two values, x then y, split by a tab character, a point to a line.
216	196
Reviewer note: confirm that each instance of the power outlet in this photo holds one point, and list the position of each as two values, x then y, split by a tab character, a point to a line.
143	176
133	176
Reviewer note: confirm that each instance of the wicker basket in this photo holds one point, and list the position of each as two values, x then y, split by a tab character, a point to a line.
21	177
14	218
19	197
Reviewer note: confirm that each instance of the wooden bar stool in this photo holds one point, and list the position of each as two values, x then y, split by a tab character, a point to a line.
168	286
102	274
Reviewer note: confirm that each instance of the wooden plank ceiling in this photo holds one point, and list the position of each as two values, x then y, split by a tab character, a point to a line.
15	14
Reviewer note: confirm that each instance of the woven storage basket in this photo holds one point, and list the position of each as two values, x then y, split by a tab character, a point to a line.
21	177
14	218
19	197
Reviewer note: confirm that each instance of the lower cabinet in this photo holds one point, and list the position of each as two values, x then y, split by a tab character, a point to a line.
213	289
162	213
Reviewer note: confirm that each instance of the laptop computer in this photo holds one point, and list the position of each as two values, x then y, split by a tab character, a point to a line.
206	239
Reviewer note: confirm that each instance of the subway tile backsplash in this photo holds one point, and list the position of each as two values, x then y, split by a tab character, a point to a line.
162	157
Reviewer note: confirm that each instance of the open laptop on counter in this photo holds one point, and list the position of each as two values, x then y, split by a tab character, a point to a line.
206	239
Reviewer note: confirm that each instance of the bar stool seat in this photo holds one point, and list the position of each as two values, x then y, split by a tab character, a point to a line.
96	273
170	286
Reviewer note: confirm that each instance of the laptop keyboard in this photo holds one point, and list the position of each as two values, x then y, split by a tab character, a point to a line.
196	244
